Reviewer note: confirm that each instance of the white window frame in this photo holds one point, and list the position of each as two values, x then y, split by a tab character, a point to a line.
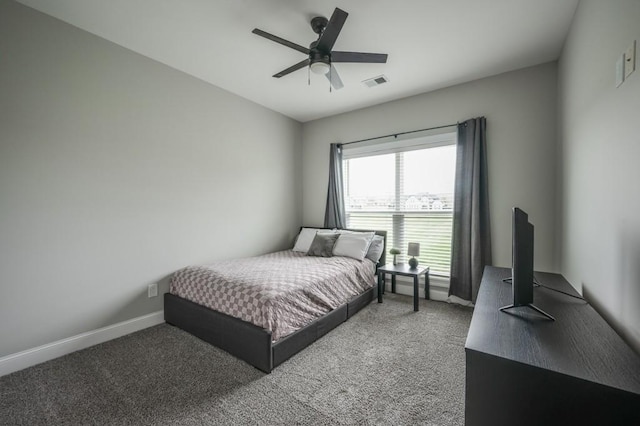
398	144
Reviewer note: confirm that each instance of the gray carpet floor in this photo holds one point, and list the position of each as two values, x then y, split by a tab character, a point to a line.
386	365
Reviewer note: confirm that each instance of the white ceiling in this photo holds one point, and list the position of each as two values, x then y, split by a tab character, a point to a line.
431	43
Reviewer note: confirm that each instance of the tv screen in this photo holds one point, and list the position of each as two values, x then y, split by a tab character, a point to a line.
522	252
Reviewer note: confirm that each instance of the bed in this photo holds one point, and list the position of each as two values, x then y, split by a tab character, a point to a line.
266	309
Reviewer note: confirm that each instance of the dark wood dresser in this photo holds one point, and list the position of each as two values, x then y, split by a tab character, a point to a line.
523	369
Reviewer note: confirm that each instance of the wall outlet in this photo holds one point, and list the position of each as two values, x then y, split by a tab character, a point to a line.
152	290
630	60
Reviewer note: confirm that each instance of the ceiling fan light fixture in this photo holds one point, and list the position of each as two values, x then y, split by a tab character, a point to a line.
320	67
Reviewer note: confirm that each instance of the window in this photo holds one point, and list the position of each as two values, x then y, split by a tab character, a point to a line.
406	188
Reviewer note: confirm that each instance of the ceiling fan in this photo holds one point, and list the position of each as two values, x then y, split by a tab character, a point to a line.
321	57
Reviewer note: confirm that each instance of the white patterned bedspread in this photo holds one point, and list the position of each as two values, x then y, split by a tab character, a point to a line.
280	292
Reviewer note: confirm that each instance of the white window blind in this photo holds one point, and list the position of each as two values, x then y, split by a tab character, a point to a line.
404	186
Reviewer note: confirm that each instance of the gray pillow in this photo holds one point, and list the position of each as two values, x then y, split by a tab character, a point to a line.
375	249
322	245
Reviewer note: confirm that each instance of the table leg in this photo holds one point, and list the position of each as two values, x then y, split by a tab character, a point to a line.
380	274
427	285
393	283
415	293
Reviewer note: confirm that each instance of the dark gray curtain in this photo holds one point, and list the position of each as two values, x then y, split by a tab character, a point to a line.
334	216
471	242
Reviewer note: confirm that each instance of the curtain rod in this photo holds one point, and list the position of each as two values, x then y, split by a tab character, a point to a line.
395	135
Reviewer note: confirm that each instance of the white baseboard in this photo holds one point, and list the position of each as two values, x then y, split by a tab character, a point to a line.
30	357
438	289
435	293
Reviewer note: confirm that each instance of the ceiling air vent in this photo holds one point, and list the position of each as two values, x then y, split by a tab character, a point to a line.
376	81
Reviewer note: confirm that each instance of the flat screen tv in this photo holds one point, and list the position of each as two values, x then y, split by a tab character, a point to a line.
522	279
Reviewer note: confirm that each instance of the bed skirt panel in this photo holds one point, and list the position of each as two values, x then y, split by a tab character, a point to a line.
361	301
241	339
288	346
249	342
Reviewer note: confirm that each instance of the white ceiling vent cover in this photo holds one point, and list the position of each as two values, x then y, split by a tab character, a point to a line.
376	81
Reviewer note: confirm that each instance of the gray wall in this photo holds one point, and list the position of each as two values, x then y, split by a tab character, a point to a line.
115	171
520	107
600	147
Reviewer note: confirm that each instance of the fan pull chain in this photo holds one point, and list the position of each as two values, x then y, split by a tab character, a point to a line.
330	76
309	75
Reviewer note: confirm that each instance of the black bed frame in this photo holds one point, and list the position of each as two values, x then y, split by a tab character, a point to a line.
251	343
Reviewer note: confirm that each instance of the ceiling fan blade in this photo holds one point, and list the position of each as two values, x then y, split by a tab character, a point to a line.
371	58
334	78
293	68
331	32
281	41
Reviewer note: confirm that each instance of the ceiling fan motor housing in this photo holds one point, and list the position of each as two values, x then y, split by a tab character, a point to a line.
317	56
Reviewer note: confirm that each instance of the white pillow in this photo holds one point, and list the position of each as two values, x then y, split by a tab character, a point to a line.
353	244
306	236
